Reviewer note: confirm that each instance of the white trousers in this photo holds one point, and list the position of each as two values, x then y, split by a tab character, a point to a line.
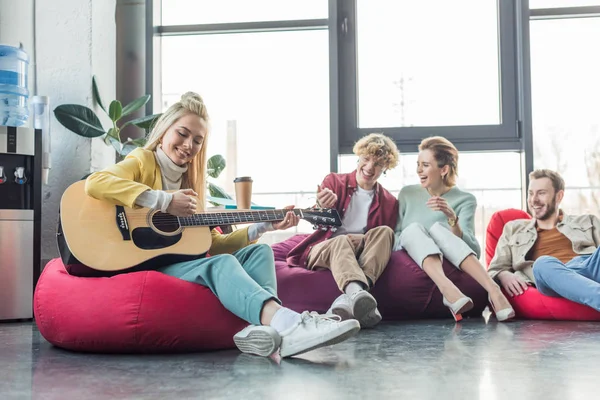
439	240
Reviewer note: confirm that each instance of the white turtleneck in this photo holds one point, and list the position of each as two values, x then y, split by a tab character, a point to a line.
171	175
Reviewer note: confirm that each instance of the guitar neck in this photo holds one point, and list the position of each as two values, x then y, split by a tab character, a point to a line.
235	217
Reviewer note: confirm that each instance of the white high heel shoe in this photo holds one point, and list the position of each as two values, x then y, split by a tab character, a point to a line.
502	315
460	306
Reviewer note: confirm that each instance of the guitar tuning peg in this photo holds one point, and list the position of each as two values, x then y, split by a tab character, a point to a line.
315	227
324	228
333	229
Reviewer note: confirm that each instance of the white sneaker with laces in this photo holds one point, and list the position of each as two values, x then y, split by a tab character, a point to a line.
314	331
257	339
342	307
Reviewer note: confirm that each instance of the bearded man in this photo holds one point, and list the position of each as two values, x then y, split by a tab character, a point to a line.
556	252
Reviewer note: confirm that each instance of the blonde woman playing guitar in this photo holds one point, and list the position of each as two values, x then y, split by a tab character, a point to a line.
174	159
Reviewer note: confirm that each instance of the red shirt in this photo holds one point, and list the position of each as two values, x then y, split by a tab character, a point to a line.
383	211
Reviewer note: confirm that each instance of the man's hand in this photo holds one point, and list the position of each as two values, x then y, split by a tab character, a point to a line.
289	220
325	197
512	284
183	203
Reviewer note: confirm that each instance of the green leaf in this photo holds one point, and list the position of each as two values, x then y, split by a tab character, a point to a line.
116	144
79	119
131	145
217	191
140	142
135	105
115	133
96	93
115	110
216	165
146	123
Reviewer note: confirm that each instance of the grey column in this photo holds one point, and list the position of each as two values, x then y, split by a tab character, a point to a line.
131	57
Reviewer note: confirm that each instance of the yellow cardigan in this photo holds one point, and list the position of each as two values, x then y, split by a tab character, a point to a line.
122	183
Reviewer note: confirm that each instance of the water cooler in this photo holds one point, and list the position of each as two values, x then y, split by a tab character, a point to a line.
20	219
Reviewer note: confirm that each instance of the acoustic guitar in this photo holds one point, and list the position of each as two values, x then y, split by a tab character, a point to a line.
113	238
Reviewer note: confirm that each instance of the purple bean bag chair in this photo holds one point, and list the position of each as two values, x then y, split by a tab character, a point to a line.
403	292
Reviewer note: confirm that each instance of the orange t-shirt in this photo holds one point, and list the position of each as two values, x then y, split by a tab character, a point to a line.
550	242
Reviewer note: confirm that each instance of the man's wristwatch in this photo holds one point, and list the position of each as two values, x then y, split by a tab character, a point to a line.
453	221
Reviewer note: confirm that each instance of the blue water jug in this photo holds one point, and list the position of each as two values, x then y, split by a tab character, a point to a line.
14	66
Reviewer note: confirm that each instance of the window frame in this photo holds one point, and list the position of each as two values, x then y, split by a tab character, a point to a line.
505	136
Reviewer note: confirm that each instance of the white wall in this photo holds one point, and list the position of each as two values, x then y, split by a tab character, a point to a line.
75	39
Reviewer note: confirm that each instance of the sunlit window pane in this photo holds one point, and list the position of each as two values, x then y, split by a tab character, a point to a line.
270	91
566	103
436	64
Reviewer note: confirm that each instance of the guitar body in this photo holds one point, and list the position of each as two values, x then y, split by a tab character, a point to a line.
112	238
94	233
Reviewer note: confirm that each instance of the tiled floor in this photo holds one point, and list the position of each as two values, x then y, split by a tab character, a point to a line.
411	360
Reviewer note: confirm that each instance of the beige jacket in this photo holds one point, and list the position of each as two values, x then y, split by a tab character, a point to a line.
519	236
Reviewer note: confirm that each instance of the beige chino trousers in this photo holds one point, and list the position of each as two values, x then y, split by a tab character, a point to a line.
354	257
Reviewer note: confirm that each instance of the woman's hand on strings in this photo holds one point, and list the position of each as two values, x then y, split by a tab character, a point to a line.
289	220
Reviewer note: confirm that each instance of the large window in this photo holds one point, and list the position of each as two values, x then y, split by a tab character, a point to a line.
437	73
291	85
413	69
566	104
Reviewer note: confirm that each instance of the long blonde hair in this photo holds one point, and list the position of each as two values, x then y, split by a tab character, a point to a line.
195	176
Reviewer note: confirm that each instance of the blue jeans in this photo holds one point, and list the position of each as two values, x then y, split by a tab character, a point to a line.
578	280
243	281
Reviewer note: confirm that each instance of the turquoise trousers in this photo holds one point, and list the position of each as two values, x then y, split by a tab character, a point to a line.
242	281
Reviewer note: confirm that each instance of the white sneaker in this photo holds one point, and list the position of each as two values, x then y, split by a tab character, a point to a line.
257	339
363	303
371	319
342	307
314	331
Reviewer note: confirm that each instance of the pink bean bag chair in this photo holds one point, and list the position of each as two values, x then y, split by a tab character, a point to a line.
403	292
138	312
532	304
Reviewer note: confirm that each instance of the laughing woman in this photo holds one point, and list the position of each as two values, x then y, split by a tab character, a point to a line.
437	220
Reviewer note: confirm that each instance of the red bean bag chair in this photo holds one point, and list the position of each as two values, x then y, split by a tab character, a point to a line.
403	291
138	312
532	304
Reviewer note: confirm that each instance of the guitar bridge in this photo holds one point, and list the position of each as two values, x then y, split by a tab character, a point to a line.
122	223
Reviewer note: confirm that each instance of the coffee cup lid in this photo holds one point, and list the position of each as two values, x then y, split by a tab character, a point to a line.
242	179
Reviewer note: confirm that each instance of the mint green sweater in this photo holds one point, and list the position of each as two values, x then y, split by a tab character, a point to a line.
413	208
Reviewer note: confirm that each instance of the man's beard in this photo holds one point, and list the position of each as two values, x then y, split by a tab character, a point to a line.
550	210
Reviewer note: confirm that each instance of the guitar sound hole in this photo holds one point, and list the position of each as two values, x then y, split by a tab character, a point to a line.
166	223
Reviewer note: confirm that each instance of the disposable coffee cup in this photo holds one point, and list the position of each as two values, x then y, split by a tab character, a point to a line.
243	192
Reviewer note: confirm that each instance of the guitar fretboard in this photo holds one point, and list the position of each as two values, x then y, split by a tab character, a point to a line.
234	217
